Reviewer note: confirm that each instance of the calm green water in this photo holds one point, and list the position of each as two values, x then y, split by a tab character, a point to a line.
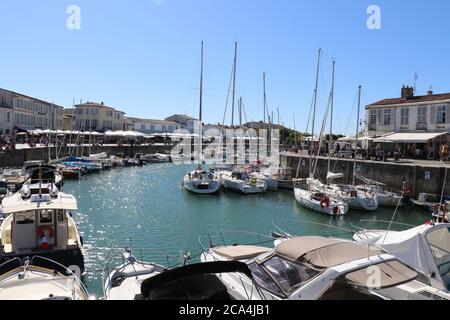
149	205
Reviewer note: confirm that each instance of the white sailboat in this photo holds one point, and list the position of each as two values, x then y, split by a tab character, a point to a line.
385	198
356	199
313	197
200	181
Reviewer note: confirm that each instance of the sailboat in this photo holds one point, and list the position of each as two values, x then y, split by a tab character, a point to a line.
200	181
312	197
355	198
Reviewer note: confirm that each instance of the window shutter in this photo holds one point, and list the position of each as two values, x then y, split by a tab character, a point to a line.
433	115
448	114
380	117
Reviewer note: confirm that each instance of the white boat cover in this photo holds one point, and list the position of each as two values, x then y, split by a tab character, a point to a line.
236	253
333	176
410	246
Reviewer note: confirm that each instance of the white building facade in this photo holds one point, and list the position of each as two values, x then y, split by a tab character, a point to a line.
409	114
150	126
24	112
91	116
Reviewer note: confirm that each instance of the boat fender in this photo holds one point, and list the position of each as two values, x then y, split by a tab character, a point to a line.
325	202
253	181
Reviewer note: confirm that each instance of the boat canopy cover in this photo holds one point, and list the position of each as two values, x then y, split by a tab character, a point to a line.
413	246
333	176
236	253
195	271
295	248
392	273
323	252
337	254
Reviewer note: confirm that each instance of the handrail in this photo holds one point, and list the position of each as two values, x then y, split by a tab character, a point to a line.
70	273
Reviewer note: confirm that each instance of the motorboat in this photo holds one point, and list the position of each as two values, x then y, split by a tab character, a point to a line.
124	282
146	281
163	157
118	160
151	158
240	181
320	202
425	248
201	182
28	280
40	222
315	268
271	182
44	175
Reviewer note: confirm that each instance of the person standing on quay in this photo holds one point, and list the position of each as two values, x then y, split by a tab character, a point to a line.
444	152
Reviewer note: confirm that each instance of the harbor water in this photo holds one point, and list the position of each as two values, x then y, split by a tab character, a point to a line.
163	220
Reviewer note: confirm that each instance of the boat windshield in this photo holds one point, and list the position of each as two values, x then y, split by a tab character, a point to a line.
439	242
289	275
280	276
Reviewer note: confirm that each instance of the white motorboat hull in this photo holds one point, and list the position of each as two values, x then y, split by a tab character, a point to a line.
304	198
244	187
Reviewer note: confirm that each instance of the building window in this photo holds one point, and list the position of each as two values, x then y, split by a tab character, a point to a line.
441	114
404	117
373	117
422	115
387	117
8	117
94	123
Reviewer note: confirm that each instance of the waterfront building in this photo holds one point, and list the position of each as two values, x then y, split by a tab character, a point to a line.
149	126
417	124
19	111
187	122
92	116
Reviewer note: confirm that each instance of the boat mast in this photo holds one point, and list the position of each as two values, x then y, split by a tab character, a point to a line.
201	85
314	114
234	83
240	112
330	143
357	132
265	97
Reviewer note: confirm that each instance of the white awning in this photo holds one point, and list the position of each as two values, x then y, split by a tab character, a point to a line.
409	137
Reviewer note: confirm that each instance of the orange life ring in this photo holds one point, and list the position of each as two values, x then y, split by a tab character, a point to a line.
325	202
41	231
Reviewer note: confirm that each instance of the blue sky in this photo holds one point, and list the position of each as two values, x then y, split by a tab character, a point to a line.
143	56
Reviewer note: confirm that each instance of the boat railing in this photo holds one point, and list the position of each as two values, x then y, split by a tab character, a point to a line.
261	241
8	266
157	257
364	232
61	268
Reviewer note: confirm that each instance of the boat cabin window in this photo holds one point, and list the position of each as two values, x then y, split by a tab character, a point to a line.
60	215
288	274
263	280
45	216
24	218
439	242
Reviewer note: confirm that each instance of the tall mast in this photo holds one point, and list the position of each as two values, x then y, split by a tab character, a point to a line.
357	132
330	144
295	130
240	112
234	83
265	97
201	85
314	114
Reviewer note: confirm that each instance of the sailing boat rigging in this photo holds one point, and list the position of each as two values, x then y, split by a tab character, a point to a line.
200	181
314	198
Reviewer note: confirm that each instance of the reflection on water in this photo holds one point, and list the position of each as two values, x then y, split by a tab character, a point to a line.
163	220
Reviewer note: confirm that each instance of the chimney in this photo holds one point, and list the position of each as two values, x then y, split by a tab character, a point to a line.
407	92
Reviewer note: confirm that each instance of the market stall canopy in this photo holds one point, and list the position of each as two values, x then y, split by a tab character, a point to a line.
409	137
